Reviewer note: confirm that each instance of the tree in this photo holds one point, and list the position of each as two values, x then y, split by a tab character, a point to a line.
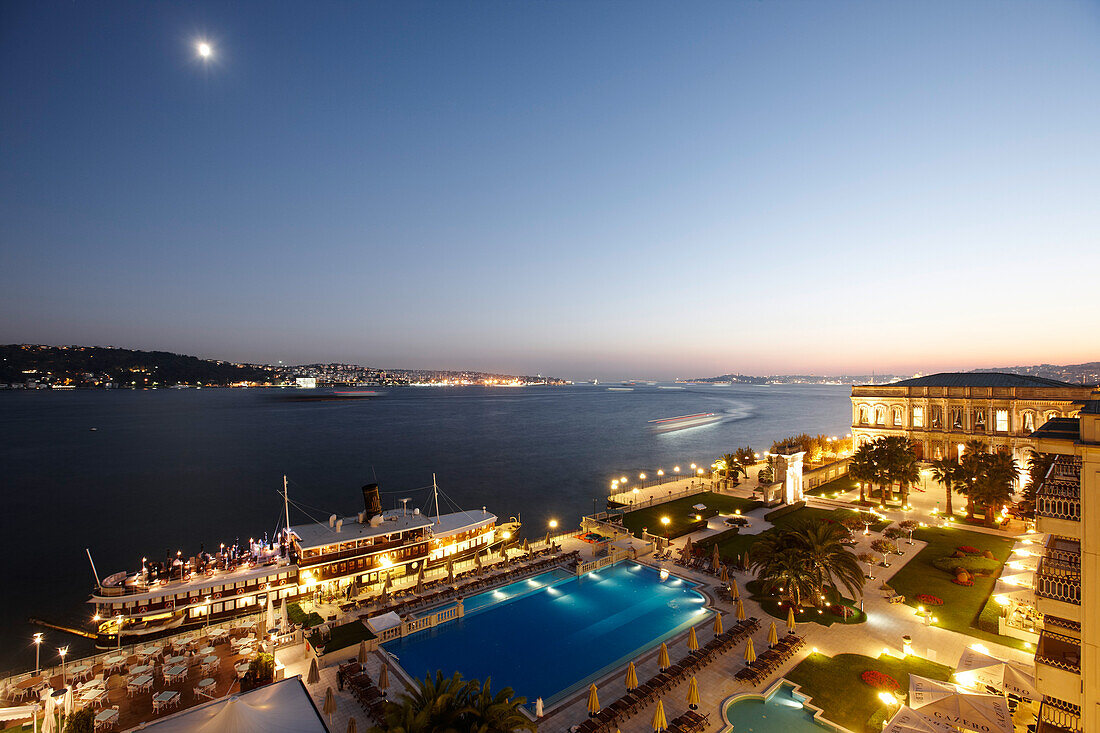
861	469
261	671
995	483
969	470
745	456
884	548
892	533
870	560
853	523
498	713
945	472
900	463
82	721
868	518
728	466
1038	464
802	560
910	526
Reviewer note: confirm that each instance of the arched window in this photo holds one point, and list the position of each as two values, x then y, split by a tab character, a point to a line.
863	414
1029	421
880	415
897	417
1051	414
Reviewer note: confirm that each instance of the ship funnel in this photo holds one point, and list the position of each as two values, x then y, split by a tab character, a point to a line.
371	501
339	524
332	520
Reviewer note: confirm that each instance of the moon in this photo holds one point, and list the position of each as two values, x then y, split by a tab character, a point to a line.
204	49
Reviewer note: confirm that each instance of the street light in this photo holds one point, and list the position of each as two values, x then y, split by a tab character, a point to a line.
641	477
665	521
118	631
660	476
37	648
63	650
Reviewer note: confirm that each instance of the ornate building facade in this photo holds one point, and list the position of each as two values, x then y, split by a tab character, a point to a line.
940	412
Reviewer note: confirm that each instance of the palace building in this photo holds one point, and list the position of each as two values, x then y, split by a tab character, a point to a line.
1067	583
940	412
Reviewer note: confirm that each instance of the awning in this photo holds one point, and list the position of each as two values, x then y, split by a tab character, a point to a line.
908	720
1008	583
952	705
1019	563
975	666
383	621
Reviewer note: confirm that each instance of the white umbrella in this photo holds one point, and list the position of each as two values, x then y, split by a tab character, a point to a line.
284	620
975	666
1015	581
907	720
947	703
270	613
1023	562
49	725
67	702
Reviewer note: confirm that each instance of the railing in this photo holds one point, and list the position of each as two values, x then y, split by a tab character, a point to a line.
1065	658
629	505
1059	581
603	562
1062	715
411	627
1059	496
1057	507
1061	623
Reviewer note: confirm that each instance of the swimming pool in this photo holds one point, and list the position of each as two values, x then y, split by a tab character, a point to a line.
781	710
549	640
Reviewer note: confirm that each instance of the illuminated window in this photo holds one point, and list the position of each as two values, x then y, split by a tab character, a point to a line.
1000	421
979	420
880	416
1029	421
957	418
918	417
897	416
863	414
937	417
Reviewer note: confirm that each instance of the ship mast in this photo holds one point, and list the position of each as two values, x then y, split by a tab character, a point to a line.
286	507
435	493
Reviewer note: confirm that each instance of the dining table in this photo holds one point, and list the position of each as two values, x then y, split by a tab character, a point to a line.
165	699
140	670
114	662
80	671
140	683
206	686
106	718
176	672
173	661
206	650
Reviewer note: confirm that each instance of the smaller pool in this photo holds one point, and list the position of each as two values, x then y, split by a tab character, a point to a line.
781	711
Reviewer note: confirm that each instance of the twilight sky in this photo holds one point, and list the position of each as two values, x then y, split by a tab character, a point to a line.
574	188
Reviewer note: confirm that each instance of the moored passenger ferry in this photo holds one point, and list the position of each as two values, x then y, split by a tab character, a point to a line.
163	598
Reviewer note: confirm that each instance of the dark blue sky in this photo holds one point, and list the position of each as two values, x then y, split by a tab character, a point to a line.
581	189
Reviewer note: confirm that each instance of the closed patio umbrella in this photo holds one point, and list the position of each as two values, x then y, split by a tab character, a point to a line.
715	559
538	707
773	637
740	610
790	620
693	694
384	678
284	620
477	562
660	723
718	624
362	652
384	598
685	554
352	726
526	545
750	652
593	701
547	538
734	590
662	658
270	613
330	705
631	677
451	570
725	576
419	584
693	641
314	676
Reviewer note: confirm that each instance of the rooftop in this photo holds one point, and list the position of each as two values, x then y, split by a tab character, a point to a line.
280	706
979	379
457	521
320	534
1059	428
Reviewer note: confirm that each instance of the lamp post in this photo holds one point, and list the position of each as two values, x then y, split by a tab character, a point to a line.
37	649
693	474
553	525
660	476
676	470
118	630
63	650
641	477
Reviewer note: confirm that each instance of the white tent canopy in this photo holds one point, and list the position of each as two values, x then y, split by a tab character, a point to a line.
952	705
20	712
1020	563
908	720
383	621
281	707
979	667
1015	581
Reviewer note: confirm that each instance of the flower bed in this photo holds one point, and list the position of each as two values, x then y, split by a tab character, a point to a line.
930	600
969	550
965	583
880	680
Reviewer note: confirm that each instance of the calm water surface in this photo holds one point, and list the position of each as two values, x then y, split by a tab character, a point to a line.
170	469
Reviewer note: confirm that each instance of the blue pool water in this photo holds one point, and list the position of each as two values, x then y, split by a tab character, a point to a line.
782	712
548	641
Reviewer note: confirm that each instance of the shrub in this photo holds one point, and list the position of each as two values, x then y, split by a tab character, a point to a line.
261	671
963	580
973	564
296	615
969	550
929	600
82	721
880	680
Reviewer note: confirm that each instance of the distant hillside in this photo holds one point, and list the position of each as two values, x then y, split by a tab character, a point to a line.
95	366
1087	373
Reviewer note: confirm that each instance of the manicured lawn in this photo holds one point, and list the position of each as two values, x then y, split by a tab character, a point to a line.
839	484
962	605
772	606
681	515
296	615
739	544
343	636
834	684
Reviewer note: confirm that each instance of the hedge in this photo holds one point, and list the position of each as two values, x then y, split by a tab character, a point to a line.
973	564
711	540
773	515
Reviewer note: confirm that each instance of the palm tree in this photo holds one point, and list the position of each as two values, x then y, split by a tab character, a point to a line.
861	468
901	464
432	705
728	466
970	469
498	713
803	560
745	456
945	472
1037	466
996	482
